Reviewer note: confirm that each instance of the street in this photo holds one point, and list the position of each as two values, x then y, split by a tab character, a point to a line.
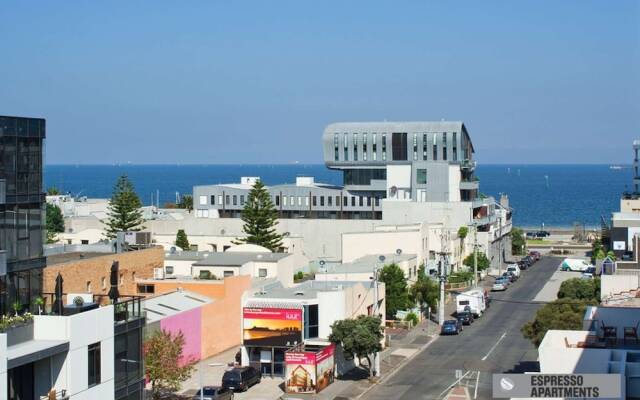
491	344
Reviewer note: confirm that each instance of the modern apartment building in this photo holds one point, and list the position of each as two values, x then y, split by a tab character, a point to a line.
406	161
78	345
21	210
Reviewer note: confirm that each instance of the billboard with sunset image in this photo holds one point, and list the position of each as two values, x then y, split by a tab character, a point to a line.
276	327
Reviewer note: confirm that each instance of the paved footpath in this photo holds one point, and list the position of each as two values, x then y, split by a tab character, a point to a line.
493	343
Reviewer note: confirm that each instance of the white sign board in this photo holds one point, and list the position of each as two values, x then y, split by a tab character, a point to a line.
621	245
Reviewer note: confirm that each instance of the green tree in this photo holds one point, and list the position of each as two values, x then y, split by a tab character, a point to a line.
425	291
580	289
396	293
186	202
260	219
124	212
597	251
54	222
463	231
53	191
483	261
165	365
562	314
360	337
181	240
518	241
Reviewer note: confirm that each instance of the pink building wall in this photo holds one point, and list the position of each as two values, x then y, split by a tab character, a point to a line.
190	323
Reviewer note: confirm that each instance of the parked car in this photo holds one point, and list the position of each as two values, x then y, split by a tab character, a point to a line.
573	264
214	393
514	268
239	379
499	285
589	273
529	260
523	265
465	317
451	327
536	255
510	276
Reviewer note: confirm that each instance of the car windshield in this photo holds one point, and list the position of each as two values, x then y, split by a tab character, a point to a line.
231	376
449	322
209	391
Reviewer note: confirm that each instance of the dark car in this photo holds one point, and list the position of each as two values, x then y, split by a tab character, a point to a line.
451	327
465	317
213	393
239	379
510	276
535	254
523	265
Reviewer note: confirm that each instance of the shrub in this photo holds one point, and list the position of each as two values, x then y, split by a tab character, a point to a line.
413	318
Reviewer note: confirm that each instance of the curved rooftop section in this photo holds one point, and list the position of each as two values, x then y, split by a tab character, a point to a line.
382	143
248	248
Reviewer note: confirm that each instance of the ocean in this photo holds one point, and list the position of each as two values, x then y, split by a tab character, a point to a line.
553	195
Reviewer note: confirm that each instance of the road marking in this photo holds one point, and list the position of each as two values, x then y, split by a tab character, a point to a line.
494	346
475	392
453	384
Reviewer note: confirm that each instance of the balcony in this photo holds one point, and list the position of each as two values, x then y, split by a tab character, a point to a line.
3	191
469	185
468	164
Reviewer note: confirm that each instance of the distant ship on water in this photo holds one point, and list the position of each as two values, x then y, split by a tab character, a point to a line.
618	167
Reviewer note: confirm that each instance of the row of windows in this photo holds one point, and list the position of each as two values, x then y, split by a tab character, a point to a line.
356	201
299	200
399	146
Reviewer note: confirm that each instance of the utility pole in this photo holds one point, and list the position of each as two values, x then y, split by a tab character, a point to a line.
376	356
500	248
475	254
442	271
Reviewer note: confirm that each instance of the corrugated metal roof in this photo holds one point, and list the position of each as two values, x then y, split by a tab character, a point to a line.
169	304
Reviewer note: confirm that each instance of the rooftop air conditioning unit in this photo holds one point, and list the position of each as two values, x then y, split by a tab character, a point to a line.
158	273
137	238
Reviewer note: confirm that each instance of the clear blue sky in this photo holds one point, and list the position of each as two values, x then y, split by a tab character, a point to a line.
256	82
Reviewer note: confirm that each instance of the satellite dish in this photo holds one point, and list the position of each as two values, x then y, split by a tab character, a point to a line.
399	251
322	262
393	190
381	258
172	250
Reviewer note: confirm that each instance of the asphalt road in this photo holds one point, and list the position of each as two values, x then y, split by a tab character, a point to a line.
491	344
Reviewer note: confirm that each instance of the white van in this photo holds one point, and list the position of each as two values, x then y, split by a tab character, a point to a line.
574	264
515	269
473	299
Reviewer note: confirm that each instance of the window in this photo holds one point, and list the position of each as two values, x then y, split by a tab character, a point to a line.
299	200
355	147
227	199
329	200
444	146
337	200
425	149
241	199
292	201
220	199
84	241
360	200
88	286
203	200
315	201
262	272
364	147
146	289
235	200
345	201
277	200
415	146
384	147
369	201
227	274
168	269
377	201
93	364
345	146
336	156
121	280
454	140
374	146
103	282
306	201
363	176
284	200
353	201
321	200
421	176
399	146
435	147
213	199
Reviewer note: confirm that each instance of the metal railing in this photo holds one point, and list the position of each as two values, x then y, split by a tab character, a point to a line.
126	308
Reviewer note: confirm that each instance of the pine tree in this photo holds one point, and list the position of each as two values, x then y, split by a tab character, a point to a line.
181	240
260	219
54	222
124	209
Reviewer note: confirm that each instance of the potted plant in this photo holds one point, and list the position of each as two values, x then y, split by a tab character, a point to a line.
121	312
17	307
38	301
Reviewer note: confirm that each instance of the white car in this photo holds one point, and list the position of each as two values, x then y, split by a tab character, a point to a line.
573	264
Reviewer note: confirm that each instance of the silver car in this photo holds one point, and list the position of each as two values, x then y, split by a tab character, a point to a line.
499	285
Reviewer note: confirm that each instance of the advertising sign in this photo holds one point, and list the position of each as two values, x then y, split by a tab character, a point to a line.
301	372
325	365
619	245
274	327
583	386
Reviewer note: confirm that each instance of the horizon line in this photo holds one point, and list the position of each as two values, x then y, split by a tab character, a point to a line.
293	164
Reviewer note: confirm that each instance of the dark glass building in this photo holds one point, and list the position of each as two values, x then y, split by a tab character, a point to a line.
22	211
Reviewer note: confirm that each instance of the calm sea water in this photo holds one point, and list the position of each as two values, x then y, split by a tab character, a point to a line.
556	195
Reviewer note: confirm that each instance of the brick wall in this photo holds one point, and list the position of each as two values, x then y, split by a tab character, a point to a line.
96	270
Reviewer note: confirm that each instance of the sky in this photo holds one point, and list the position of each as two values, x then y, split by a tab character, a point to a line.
211	82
